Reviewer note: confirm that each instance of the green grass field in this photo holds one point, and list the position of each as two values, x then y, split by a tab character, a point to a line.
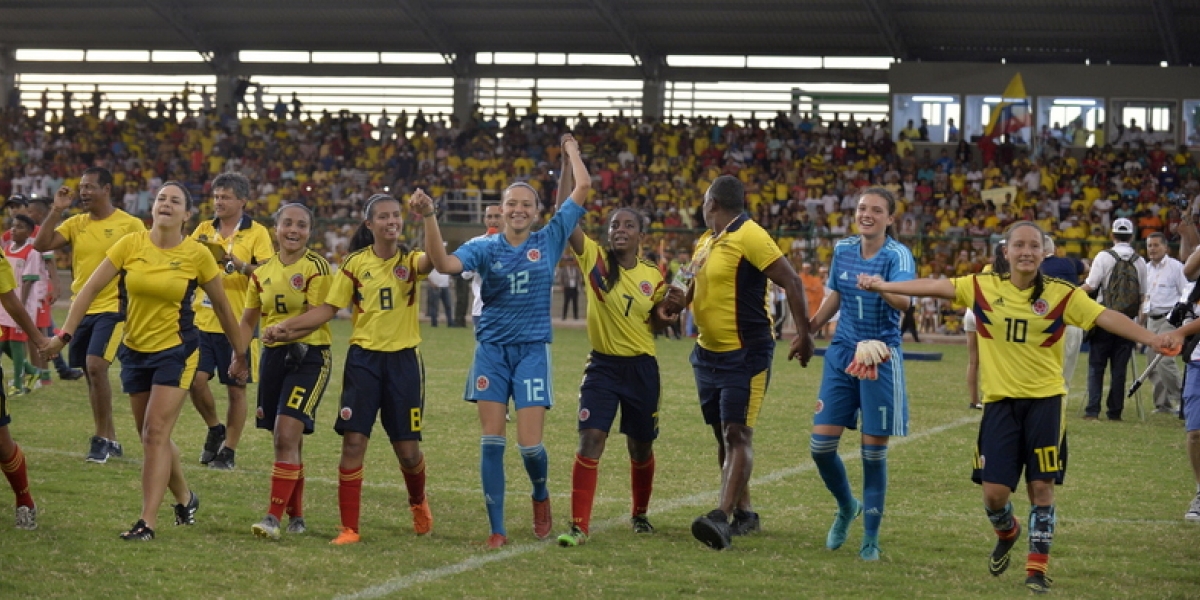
1120	529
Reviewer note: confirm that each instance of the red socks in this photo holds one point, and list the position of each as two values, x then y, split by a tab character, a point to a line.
283	484
583	490
1037	563
641	481
350	496
295	506
414	480
18	478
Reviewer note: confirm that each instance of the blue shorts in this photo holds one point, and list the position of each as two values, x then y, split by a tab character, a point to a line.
882	403
390	384
97	335
630	383
294	377
216	355
1017	435
517	371
732	385
1191	398
173	367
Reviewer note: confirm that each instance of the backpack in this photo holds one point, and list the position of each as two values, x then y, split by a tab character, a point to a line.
1123	290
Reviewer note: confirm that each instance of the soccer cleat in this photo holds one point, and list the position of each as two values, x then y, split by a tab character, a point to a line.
575	537
114	449
1038	583
841	526
641	524
869	550
30	382
140	532
1193	513
977	406
497	541
98	452
542	522
27	517
212	443
345	537
267	528
296	525
422	517
223	461
186	514
70	374
998	561
744	523
713	530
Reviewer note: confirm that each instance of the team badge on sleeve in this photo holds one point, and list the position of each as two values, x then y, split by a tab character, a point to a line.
534	255
482	383
401	272
646	288
297	282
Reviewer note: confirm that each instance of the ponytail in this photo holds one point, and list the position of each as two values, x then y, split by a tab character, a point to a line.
362	238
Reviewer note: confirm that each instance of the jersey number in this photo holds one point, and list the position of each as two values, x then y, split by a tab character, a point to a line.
518	283
628	303
385	298
1015	330
280	305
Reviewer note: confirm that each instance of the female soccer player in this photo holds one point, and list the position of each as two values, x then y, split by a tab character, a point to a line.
625	307
293	375
883	402
160	270
1021	320
512	354
383	374
999	266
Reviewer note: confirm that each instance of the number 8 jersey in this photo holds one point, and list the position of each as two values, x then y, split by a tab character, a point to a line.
384	294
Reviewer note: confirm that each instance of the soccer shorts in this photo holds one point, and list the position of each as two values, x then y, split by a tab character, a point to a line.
882	403
1021	434
630	383
390	384
97	335
517	371
5	418
1191	398
294	386
13	334
216	355
732	385
173	367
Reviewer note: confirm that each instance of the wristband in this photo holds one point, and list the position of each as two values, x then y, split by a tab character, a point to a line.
65	337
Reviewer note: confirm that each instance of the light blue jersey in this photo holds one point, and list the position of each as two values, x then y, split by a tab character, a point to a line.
865	315
517	282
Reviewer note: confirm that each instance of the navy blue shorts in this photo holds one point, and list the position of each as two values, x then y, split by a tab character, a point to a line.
97	335
5	418
390	384
1026	434
630	383
173	367
216	355
292	386
732	385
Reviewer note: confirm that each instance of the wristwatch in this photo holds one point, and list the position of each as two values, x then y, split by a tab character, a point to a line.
65	337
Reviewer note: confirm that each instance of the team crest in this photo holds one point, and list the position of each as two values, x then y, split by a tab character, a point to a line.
646	288
297	282
1041	307
482	383
534	255
346	413
258	414
401	272
820	406
584	414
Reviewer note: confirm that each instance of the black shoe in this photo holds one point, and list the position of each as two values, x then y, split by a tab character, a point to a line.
114	449
713	530
998	561
744	523
1038	583
70	374
641	524
212	443
98	451
138	533
223	460
186	515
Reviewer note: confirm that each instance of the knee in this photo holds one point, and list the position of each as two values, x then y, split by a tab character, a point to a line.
641	451
1193	437
97	368
155	435
591	443
737	436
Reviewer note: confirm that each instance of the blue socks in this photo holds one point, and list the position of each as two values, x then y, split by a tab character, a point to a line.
832	470
491	471
537	464
874	459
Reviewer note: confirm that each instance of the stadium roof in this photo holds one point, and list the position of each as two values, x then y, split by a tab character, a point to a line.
1019	31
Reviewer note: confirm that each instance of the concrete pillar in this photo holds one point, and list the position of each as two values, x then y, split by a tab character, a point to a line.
227	68
466	86
9	94
654	96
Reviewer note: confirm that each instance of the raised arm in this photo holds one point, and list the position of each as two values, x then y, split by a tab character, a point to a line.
579	173
47	238
441	260
567	181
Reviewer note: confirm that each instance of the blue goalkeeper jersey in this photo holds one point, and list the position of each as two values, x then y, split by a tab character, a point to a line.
865	315
517	281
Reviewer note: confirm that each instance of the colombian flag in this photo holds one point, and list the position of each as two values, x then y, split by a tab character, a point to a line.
1012	114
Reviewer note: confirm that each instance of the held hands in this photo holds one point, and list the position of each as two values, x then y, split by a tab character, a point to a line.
569	145
672	304
52	347
421	203
239	368
869	283
1168	344
275	334
802	349
64	198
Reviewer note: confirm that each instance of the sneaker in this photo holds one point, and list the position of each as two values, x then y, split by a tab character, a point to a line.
744	523
998	561
27	517
422	517
497	541
14	391
140	532
641	524
575	537
296	526
542	523
98	453
1193	513
267	528
70	374
212	443
1038	583
713	530
977	406
30	382
841	526
186	515
869	550
345	537
223	461
114	449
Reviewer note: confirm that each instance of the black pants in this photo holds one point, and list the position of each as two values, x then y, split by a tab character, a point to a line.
1108	350
910	324
571	297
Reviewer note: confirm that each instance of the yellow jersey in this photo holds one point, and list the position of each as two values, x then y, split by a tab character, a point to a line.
251	243
385	297
157	288
730	301
90	239
281	291
618	319
1020	349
